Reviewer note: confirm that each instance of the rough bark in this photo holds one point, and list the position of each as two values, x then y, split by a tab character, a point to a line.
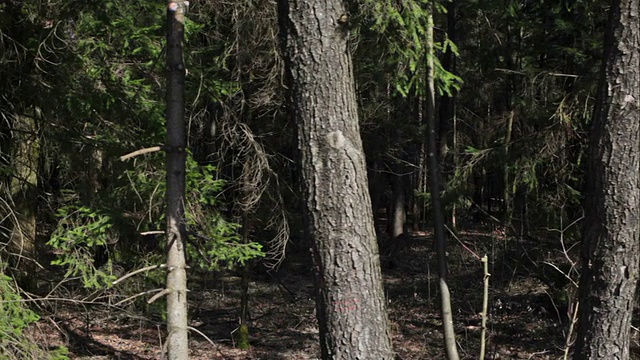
611	236
177	338
350	301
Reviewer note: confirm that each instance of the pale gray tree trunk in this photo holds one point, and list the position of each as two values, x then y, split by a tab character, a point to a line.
610	252
350	300
177	338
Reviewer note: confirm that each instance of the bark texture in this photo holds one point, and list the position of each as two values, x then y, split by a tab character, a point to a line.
350	300
177	340
610	241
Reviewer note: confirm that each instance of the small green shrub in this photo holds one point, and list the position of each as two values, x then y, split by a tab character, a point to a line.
15	317
79	233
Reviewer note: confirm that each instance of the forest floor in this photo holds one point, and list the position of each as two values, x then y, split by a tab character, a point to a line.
529	300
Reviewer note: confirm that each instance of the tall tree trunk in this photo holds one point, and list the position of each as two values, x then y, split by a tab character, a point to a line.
349	295
438	218
177	341
447	106
447	122
610	252
419	213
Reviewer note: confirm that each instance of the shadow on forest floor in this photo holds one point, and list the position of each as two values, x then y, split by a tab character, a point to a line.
527	317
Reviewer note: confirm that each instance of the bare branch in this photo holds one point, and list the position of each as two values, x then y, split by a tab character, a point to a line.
140	152
201	334
153	232
147	268
562	272
136	296
158	295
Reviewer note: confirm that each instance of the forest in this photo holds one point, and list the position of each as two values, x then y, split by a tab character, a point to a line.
319	179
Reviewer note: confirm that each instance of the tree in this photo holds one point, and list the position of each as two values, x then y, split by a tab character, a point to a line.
610	242
349	295
438	217
177	342
19	148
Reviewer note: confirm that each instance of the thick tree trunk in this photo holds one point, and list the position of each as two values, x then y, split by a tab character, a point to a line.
177	341
350	300
611	237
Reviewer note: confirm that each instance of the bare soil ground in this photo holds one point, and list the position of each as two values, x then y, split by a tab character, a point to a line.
529	300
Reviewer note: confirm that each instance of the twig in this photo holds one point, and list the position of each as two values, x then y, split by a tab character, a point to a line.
153	232
136	296
485	306
463	245
146	268
206	338
574	320
509	71
538	353
561	272
553	303
563	75
201	334
158	295
160	342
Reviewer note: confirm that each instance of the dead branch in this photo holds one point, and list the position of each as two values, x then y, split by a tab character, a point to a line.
158	295
147	268
140	152
136	296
